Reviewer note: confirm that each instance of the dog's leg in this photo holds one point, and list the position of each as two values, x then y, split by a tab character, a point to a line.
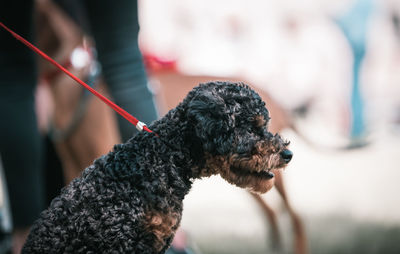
300	241
84	144
272	219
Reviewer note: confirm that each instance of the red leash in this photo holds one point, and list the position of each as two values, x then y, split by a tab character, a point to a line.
139	125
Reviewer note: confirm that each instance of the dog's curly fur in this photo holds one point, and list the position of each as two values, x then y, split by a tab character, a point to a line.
130	200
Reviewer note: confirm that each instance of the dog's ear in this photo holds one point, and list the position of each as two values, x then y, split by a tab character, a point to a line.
213	125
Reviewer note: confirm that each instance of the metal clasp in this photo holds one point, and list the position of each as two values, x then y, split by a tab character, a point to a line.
140	126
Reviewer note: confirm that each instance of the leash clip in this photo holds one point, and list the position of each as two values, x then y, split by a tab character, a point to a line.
140	125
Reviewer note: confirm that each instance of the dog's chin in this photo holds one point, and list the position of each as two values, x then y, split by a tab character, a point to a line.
246	173
257	182
262	186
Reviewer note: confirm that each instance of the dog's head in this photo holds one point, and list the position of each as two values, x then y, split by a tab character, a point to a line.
230	121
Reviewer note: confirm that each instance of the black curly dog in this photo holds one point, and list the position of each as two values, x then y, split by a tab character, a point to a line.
130	200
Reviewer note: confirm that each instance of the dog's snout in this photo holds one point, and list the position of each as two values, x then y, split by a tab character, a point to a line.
286	155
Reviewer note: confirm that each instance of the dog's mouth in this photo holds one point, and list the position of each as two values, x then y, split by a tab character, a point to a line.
264	174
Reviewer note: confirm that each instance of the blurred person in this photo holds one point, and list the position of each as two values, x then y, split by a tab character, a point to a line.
115	29
354	23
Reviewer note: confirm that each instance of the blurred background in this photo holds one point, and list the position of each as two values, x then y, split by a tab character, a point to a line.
329	73
332	66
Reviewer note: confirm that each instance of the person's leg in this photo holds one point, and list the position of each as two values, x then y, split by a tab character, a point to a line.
115	29
20	141
354	24
357	103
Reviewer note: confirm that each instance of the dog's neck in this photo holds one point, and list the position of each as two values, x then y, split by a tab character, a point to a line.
174	135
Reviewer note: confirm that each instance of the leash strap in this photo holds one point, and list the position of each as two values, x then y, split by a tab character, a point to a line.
139	125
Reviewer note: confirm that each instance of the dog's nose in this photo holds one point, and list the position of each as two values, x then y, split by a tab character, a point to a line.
286	155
